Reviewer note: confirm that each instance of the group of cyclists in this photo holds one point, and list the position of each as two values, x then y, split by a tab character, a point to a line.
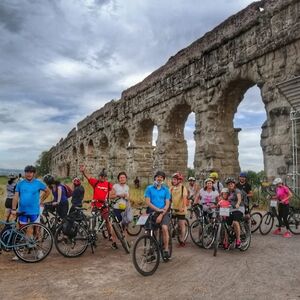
29	194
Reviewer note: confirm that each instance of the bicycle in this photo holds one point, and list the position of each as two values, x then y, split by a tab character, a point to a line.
221	229
132	228
50	218
175	229
148	248
255	218
31	243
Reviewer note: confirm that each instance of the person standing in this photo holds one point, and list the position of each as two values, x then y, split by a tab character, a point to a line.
157	197
10	191
193	189
101	188
218	186
78	194
244	186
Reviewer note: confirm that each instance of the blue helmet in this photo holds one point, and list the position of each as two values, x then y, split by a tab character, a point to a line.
243	174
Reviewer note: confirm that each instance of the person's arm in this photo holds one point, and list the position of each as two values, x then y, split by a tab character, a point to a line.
45	194
15	203
239	197
82	169
59	194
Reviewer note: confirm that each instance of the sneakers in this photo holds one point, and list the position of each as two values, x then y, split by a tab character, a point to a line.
40	254
277	231
225	246
166	255
114	246
15	258
287	235
238	244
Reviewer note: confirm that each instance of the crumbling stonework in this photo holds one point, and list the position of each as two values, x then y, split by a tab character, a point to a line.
258	46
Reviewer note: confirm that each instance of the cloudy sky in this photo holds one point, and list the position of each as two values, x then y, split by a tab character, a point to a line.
62	59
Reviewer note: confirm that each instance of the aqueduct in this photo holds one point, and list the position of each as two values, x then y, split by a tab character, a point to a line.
260	46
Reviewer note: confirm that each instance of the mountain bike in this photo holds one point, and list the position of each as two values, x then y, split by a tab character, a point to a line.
255	218
50	218
31	243
148	248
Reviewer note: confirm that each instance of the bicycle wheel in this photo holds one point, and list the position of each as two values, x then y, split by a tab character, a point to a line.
255	219
217	238
266	224
145	255
208	236
133	229
105	233
196	233
71	246
186	233
33	242
245	236
120	235
294	222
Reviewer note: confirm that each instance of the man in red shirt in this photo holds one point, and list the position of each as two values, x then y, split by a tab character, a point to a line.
101	189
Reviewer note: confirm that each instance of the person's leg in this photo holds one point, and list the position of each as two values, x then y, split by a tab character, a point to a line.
165	233
182	228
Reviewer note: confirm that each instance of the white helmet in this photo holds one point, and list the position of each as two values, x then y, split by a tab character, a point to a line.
277	181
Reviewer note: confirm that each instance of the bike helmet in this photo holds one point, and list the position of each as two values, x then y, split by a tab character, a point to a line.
178	176
243	174
12	176
191	179
76	181
229	180
103	173
224	190
160	173
208	180
214	175
277	181
30	169
48	179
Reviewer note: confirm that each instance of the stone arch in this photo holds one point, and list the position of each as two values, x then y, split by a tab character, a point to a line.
90	149
171	154
103	151
81	152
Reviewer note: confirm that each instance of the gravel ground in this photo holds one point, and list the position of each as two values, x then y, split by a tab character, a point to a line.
270	269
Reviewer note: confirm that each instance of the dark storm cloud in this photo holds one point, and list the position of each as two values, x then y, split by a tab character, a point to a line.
61	60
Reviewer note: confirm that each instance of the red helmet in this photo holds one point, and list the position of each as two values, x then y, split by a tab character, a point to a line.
76	181
178	176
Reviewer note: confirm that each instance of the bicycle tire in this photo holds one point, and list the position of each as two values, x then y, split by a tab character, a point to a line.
121	237
217	238
245	236
37	247
150	255
208	236
133	229
266	224
105	232
187	226
294	223
255	220
65	245
196	233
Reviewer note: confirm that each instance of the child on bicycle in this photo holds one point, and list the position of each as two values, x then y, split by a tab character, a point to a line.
224	202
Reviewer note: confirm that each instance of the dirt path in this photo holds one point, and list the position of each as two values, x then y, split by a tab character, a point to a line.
270	269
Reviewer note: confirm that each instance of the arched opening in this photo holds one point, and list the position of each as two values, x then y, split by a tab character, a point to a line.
238	130
142	152
189	130
172	143
90	150
81	151
250	116
103	148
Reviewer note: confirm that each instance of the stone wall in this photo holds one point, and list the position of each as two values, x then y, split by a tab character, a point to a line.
258	46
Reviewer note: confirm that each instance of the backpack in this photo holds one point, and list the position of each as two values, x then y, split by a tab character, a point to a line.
69	191
69	227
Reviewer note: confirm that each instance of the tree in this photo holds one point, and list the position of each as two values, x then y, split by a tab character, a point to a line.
43	163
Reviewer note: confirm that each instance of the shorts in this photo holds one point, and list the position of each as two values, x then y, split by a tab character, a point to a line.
235	216
25	219
8	203
179	217
166	219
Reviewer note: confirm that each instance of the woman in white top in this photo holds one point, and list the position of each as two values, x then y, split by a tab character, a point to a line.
120	190
208	194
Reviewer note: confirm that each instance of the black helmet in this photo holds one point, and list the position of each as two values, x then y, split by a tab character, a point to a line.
49	179
160	173
230	179
103	173
30	169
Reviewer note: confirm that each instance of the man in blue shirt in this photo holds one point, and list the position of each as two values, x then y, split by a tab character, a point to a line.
28	197
158	199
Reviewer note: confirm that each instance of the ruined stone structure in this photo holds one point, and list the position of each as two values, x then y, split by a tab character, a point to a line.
260	46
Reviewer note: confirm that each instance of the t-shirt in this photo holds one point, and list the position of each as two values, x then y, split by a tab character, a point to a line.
121	189
178	193
224	203
281	193
158	197
193	191
208	197
246	188
101	190
234	199
77	195
29	193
